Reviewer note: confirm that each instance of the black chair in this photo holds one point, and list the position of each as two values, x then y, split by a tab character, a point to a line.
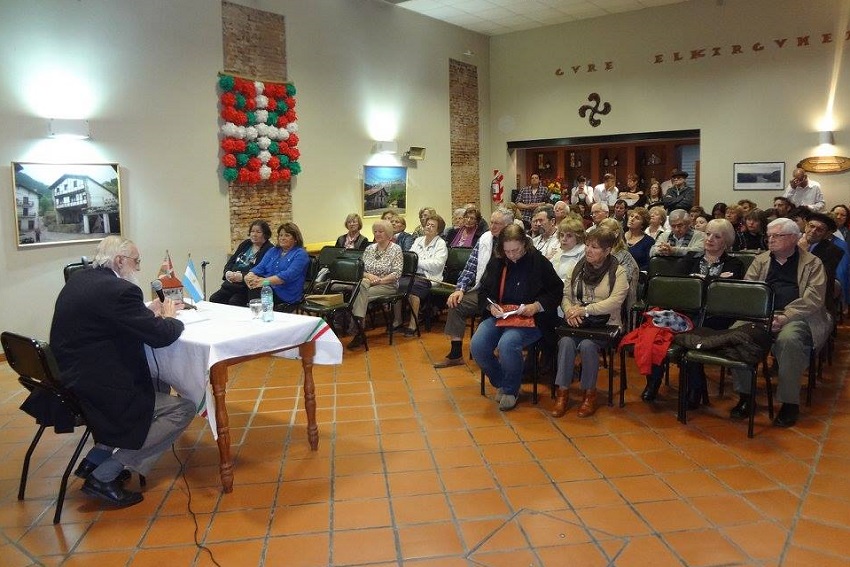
455	262
344	278
684	294
610	336
669	266
328	254
310	277
640	300
744	301
386	303
50	402
746	258
74	267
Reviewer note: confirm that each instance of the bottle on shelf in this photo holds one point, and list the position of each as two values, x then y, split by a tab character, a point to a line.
605	161
267	300
572	159
578	162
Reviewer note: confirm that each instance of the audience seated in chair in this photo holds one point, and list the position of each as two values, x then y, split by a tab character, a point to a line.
248	254
800	323
432	253
353	239
284	267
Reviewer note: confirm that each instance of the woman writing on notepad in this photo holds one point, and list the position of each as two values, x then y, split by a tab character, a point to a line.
518	278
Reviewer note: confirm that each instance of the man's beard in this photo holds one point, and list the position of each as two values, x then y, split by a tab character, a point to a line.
132	277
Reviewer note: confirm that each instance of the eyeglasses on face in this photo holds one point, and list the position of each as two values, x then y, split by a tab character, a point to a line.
772	236
137	260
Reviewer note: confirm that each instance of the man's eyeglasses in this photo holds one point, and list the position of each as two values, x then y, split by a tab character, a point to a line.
137	261
771	236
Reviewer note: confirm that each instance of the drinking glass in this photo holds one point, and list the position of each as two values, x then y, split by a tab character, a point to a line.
256	306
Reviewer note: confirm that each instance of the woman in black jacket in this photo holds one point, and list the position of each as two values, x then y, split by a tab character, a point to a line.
248	254
518	278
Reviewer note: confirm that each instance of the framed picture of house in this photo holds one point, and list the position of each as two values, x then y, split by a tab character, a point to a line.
384	188
65	203
758	176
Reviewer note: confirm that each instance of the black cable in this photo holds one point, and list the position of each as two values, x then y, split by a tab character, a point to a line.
192	512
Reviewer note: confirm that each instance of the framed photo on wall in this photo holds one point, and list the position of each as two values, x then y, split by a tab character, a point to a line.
384	188
758	176
65	203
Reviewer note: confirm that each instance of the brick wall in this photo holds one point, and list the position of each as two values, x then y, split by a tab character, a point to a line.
464	134
255	48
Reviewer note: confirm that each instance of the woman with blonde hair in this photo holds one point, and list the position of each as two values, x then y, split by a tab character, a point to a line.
353	239
571	235
657	218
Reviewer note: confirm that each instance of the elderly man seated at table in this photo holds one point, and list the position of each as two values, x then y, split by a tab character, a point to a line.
800	320
100	328
681	239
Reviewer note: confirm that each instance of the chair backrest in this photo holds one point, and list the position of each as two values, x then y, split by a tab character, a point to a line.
74	267
685	294
36	367
740	299
328	254
344	277
410	263
352	253
455	262
746	258
669	266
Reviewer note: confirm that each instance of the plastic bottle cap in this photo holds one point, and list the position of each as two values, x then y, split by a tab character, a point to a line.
265	282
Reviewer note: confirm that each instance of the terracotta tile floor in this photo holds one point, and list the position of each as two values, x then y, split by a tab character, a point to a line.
416	468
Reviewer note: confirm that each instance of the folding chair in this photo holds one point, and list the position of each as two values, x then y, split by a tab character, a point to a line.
50	402
744	301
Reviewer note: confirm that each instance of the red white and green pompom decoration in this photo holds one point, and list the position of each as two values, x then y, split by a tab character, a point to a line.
260	131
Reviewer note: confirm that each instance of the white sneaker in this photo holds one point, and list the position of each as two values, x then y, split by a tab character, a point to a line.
499	395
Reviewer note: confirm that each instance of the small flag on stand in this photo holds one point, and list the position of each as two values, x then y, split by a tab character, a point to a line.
190	282
166	269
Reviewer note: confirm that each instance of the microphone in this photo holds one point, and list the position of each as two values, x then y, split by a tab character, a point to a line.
156	285
204	264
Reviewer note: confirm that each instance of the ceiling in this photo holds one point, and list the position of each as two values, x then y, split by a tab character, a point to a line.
495	17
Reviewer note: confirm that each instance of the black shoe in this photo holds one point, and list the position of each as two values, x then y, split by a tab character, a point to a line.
787	416
741	409
111	492
409	332
651	391
356	342
86	467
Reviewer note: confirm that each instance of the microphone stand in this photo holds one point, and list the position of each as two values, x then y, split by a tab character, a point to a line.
204	276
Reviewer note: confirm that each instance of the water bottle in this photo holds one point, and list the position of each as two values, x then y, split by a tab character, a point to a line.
268	301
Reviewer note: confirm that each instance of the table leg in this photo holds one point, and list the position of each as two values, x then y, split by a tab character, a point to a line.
307	352
218	379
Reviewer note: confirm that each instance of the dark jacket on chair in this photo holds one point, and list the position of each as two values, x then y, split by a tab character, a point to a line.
100	327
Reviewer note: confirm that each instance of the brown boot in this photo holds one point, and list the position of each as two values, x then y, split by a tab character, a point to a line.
562	400
588	405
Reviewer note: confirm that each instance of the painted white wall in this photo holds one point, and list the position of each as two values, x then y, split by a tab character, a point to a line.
144	74
753	106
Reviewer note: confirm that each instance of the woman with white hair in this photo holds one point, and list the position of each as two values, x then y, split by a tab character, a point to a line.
382	264
715	262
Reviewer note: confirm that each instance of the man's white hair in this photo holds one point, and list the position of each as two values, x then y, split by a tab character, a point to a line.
786	225
677	215
110	248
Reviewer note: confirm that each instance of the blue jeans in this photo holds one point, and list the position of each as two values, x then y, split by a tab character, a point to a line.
504	372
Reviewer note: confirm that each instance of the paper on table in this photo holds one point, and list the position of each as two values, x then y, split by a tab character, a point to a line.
192	316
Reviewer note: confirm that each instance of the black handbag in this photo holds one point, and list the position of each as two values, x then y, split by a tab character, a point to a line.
595	321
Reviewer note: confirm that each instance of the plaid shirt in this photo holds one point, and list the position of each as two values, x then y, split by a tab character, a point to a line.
527	197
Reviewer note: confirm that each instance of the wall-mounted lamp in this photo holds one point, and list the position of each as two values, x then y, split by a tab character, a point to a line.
76	129
385	147
415	153
826	137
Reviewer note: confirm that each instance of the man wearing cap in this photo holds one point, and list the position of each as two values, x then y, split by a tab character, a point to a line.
680	195
800	321
817	239
804	192
606	192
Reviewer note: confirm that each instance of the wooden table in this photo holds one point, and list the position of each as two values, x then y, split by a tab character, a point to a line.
219	336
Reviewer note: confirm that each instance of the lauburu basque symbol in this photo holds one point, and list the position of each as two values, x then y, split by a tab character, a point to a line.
594	110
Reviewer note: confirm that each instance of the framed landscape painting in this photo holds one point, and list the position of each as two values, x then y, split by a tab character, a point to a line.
384	189
758	176
65	203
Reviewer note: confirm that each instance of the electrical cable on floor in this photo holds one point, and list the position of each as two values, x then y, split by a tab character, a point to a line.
189	507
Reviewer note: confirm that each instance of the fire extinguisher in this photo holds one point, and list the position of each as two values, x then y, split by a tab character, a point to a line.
496	186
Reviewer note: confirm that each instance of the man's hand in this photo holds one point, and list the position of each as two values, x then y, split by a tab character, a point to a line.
168	308
664	249
778	322
454	299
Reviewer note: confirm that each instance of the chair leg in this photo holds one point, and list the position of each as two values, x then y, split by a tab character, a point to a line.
623	379
60	501
812	381
752	419
721	386
26	468
610	380
682	398
769	387
482	382
534	353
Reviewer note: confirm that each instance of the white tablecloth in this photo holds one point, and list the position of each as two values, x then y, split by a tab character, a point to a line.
217	332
